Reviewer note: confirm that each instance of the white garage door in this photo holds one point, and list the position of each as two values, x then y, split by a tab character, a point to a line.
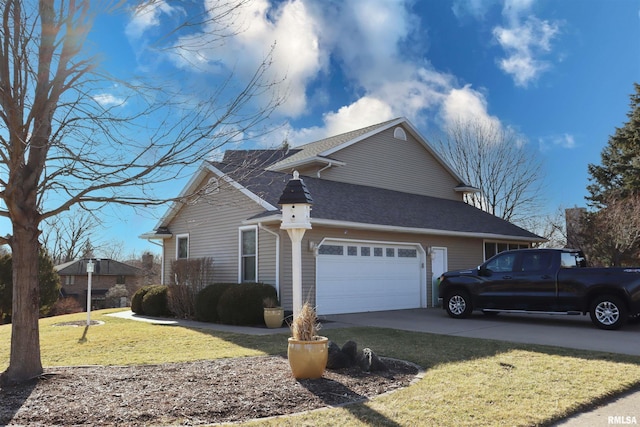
353	277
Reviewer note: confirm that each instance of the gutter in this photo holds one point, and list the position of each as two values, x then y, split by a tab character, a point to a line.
397	229
161	258
330	164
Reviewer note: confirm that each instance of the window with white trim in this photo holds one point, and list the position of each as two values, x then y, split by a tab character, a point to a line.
248	254
493	248
182	246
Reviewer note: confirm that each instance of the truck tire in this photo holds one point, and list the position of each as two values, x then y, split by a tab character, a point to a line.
458	304
608	312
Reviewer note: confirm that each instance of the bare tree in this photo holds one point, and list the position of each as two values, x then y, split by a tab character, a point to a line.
61	147
112	249
64	235
494	159
611	236
190	276
551	226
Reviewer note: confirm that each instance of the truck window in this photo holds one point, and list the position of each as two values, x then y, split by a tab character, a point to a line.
535	261
572	260
502	263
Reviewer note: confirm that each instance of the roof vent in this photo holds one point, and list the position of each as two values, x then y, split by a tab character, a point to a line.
399	133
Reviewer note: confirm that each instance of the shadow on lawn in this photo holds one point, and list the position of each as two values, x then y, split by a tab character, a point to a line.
362	412
83	338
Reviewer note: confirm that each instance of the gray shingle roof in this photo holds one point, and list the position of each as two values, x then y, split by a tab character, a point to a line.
339	201
105	267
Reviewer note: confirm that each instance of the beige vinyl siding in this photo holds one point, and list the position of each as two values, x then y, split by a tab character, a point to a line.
212	223
308	270
462	253
369	162
267	256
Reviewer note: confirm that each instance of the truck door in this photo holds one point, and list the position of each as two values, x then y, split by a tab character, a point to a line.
535	287
495	288
518	281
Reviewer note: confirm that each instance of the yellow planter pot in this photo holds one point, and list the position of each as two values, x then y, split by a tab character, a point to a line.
308	359
273	317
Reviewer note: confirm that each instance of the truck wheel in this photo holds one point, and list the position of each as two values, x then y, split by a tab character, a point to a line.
458	304
608	312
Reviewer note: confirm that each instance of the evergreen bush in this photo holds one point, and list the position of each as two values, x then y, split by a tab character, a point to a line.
207	301
136	299
242	304
154	302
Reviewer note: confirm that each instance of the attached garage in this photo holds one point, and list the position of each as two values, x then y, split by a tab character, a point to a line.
358	276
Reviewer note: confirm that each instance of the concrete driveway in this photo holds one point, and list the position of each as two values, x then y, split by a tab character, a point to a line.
556	330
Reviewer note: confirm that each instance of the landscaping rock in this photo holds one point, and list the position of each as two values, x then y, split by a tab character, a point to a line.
337	359
349	356
368	361
350	348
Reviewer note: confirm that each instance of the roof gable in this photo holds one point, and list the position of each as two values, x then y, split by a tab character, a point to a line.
322	150
206	168
324	147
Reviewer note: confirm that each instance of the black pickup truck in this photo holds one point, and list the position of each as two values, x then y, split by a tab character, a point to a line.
552	281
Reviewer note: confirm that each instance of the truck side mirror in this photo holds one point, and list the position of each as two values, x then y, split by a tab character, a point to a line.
483	271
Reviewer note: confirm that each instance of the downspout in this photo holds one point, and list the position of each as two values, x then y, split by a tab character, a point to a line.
161	259
261	227
324	168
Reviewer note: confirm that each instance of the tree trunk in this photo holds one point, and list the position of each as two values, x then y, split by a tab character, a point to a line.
25	360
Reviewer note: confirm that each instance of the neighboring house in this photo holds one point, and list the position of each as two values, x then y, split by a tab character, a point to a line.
106	274
388	218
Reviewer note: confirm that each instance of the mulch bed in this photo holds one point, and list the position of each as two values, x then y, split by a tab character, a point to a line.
204	392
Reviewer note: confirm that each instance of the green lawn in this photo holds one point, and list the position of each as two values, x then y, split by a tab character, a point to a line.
466	381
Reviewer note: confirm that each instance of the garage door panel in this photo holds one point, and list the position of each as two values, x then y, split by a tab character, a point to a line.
349	284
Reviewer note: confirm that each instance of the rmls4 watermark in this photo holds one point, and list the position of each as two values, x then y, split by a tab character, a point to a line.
622	420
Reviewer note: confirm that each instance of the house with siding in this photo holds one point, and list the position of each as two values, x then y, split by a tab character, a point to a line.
388	217
106	274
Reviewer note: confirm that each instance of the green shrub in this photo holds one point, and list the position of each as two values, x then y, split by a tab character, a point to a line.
242	304
136	299
154	302
207	301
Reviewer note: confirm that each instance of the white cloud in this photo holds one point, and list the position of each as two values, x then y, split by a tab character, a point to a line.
254	29
369	44
146	16
364	112
467	105
368	40
565	140
476	9
525	40
109	100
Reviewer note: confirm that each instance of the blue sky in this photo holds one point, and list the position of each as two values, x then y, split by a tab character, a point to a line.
559	73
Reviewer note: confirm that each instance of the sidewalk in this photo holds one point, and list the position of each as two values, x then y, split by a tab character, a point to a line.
200	325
